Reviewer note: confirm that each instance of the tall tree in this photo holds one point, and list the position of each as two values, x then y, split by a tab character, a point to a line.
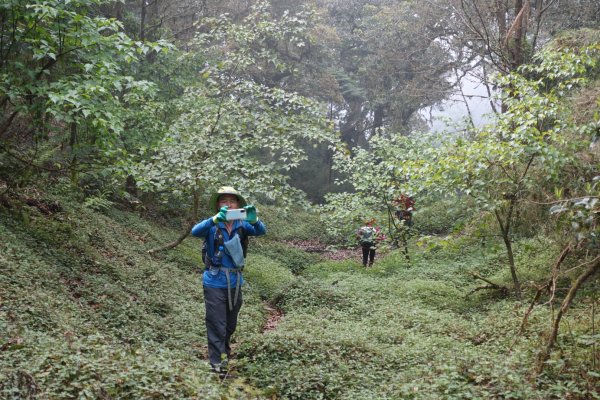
501	165
64	82
502	35
230	127
392	60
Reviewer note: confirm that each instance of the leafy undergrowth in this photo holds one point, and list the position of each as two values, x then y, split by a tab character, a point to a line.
86	313
400	332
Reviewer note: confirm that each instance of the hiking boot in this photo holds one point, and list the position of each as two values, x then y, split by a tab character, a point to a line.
219	368
222	371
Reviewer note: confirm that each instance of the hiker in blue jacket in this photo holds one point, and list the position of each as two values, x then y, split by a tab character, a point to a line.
226	243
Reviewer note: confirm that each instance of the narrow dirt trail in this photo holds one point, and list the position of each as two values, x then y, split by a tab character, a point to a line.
328	253
275	316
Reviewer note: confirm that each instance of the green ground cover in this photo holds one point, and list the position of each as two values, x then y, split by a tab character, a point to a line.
85	312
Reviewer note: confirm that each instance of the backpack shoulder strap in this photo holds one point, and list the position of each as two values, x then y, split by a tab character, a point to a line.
243	239
219	239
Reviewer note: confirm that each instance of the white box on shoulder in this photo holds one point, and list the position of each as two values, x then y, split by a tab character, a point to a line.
239	213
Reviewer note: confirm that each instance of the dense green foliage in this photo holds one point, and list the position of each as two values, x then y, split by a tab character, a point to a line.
225	111
67	81
87	313
393	332
520	157
118	119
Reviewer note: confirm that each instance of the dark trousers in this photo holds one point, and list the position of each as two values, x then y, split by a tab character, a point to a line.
220	322
368	253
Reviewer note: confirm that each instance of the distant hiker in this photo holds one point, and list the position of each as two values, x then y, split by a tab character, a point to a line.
405	205
225	245
367	235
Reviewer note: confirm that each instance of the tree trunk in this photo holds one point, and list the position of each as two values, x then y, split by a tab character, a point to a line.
511	263
505	229
143	20
592	269
352	128
131	186
501	12
377	118
7	122
516	49
72	142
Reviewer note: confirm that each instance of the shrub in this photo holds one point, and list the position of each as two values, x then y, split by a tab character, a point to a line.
441	217
294	224
291	258
266	276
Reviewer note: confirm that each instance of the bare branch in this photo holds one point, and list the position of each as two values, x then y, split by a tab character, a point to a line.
175	243
490	284
581	279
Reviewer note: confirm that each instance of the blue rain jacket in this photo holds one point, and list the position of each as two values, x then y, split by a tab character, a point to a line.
207	229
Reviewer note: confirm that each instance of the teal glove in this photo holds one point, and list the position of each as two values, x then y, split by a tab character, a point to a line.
221	216
251	214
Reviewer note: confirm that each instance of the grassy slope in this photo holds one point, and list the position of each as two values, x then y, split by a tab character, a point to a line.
396	332
85	312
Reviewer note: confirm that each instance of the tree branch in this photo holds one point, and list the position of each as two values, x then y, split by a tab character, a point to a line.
545	354
538	294
490	284
188	227
184	234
